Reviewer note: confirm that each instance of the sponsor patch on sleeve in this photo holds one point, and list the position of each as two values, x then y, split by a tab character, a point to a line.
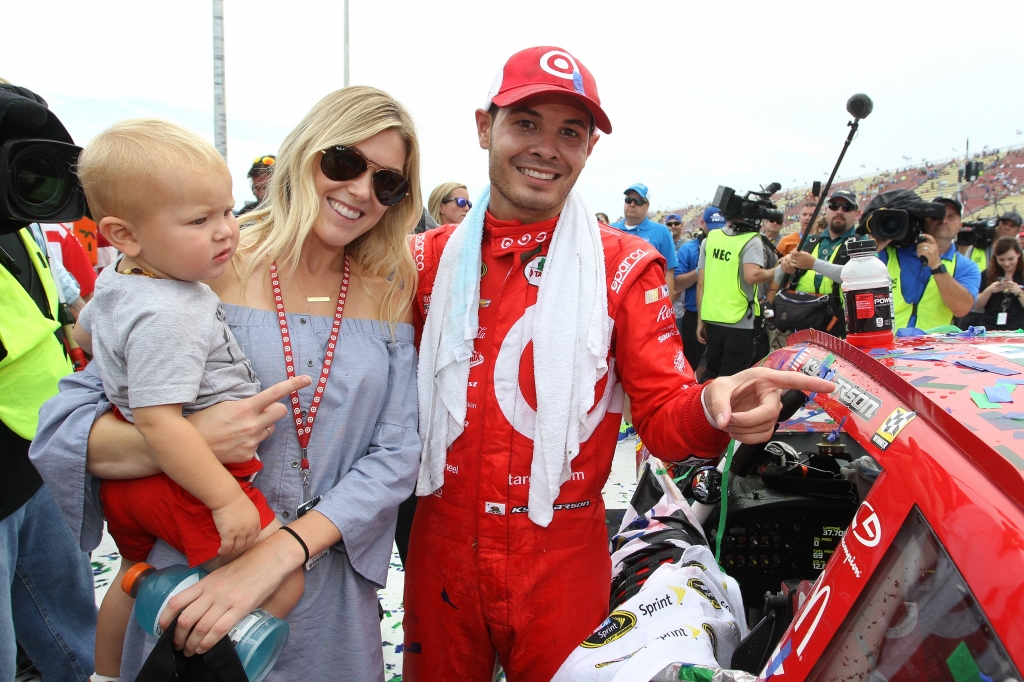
654	295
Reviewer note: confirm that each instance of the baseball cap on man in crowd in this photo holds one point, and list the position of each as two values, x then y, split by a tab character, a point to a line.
641	189
845	194
713	218
673	217
547	69
951	200
1011	216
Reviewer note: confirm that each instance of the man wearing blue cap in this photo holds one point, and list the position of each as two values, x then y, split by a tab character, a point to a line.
657	235
674	223
686	283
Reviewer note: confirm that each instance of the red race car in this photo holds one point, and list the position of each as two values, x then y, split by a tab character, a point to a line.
924	563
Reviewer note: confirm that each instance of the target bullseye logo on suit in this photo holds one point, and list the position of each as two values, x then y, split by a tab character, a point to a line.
515	363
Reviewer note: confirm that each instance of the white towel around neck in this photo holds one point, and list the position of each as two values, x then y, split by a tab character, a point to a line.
571	336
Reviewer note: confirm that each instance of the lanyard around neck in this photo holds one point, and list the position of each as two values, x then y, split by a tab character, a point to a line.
304	430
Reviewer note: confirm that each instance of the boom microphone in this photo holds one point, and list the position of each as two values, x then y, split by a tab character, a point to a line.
860	105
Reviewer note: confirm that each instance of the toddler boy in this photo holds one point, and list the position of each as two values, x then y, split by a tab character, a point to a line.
162	196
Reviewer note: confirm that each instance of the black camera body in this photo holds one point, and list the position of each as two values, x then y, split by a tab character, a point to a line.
38	182
746	212
978	234
899	216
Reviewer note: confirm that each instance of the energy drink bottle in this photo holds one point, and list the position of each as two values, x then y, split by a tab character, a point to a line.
259	638
867	296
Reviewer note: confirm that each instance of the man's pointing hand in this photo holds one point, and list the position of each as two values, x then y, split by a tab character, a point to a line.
746	405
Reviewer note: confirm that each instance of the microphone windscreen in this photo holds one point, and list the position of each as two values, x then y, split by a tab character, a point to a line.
860	105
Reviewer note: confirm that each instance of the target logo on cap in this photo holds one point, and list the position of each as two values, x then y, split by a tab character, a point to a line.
547	69
559	64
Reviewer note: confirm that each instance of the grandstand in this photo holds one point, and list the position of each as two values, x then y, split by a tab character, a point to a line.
998	190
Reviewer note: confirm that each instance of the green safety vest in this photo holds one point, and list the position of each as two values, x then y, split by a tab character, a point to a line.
35	360
931	311
724	301
979	257
806	282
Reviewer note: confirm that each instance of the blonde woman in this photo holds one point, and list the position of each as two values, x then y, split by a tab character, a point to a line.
449	203
325	258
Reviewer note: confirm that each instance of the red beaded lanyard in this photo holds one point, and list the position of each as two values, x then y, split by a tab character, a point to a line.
303	432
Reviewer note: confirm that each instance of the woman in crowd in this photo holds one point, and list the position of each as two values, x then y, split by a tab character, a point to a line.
342	200
449	203
1001	293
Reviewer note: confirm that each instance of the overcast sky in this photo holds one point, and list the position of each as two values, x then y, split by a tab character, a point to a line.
699	93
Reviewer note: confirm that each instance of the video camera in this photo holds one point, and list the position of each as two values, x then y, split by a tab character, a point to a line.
37	164
898	216
746	213
978	234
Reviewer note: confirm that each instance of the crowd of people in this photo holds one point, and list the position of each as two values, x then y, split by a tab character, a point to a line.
484	353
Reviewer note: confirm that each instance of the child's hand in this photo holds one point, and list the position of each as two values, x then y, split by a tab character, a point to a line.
238	523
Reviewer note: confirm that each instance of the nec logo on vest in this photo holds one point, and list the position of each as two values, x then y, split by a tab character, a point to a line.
721	254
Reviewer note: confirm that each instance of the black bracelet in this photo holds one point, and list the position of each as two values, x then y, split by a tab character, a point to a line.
305	550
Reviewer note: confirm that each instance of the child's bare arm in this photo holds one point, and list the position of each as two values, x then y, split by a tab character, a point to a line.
182	453
82	338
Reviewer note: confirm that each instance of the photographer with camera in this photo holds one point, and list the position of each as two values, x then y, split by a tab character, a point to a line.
48	603
734	261
931	282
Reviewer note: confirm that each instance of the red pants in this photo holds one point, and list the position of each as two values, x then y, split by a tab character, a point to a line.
530	606
141	510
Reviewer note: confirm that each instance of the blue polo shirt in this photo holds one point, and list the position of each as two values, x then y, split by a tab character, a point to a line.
687	257
655	234
915	275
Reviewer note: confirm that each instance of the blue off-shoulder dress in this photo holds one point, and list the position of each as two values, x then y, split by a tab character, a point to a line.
364	457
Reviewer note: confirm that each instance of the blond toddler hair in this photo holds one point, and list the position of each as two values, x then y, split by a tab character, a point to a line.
121	163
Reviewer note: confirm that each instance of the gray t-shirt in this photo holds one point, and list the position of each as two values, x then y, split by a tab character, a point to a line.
163	342
752	252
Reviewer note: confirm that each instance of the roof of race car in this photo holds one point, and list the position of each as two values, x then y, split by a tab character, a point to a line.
977	379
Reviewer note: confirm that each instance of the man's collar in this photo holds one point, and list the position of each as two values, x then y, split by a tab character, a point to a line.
633	227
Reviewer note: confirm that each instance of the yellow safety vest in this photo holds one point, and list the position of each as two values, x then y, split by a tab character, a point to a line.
931	311
35	360
724	300
806	282
979	257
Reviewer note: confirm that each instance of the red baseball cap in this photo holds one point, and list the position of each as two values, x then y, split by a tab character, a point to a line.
544	69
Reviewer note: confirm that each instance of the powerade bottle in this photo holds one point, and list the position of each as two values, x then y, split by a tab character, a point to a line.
867	296
259	638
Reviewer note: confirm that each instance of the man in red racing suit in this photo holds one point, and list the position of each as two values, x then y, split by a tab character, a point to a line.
480	573
482	579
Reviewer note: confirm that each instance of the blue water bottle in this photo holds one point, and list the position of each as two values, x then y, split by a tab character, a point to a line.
259	638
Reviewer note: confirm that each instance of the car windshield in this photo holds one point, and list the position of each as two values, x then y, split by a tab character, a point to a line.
916	620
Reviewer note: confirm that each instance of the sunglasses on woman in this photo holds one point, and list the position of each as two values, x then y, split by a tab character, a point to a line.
460	202
341	164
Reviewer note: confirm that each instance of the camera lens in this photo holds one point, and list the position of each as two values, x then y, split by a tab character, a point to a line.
888	224
41	181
